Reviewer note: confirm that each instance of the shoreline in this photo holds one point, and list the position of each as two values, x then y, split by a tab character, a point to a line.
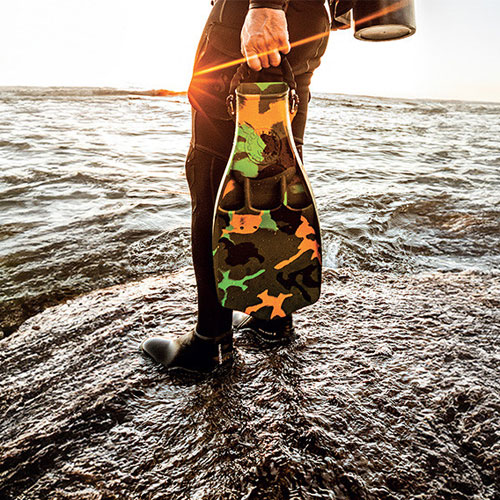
390	391
15	313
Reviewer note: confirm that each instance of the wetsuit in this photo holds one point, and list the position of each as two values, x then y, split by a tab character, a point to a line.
213	129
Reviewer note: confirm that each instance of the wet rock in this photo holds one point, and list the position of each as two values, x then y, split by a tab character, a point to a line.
390	392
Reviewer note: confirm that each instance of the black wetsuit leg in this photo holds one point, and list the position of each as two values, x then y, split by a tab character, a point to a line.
213	131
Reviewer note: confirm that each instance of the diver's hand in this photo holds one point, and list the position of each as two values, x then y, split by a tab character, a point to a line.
263	36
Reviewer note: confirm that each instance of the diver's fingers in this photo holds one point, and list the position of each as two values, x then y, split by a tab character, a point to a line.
263	35
253	60
274	58
263	52
284	43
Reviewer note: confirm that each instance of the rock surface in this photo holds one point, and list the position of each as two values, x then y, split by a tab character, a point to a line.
390	391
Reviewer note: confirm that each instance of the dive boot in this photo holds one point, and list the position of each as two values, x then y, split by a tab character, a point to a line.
191	352
274	330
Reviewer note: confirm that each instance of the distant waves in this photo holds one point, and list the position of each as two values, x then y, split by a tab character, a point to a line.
33	92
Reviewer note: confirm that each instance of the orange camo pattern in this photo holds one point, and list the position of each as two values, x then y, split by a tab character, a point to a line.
269	301
249	113
243	224
230	186
303	231
278	247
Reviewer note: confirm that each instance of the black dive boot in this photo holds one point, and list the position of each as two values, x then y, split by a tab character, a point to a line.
274	330
192	352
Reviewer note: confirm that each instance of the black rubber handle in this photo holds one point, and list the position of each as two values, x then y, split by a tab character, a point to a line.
246	74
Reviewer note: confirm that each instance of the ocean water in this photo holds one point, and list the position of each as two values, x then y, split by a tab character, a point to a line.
93	190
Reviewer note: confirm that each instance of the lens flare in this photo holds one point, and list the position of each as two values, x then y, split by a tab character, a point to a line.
241	60
382	12
235	62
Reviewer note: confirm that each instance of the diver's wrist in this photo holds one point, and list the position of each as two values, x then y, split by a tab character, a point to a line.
266	4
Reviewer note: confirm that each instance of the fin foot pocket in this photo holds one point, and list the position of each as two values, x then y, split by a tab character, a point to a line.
271	331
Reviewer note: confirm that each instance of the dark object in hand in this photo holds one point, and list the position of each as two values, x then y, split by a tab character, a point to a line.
382	20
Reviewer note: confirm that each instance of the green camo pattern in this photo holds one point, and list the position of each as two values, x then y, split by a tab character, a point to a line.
266	236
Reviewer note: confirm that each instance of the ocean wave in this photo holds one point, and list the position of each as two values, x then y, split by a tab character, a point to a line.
21	146
401	185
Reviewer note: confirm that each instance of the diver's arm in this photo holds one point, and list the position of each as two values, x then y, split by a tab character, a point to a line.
264	34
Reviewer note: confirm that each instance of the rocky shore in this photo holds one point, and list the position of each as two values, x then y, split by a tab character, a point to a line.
390	391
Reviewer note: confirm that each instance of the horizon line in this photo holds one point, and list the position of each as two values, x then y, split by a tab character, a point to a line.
159	91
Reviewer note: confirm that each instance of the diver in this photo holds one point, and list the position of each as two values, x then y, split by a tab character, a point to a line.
259	30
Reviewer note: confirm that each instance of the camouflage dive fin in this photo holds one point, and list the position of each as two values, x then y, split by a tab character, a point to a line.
266	236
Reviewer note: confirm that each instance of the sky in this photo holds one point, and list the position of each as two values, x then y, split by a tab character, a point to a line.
151	44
